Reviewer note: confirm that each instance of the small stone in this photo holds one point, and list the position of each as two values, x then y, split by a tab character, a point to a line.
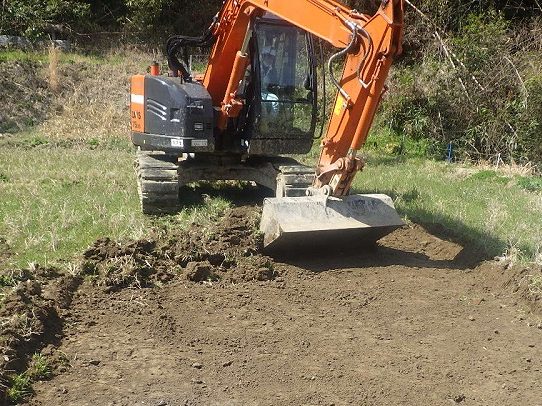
162	403
227	364
197	365
459	398
471	318
94	362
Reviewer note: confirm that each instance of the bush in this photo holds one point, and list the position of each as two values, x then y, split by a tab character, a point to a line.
36	18
481	90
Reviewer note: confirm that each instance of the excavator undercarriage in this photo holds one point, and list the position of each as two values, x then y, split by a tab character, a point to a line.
161	176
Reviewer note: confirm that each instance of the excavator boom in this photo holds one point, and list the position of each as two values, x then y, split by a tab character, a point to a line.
369	49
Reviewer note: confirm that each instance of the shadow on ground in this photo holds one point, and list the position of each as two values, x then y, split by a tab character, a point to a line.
239	194
403	247
479	243
320	259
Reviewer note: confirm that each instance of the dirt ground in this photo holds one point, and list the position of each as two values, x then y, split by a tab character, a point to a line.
417	321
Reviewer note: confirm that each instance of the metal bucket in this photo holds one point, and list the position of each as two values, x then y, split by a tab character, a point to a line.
302	221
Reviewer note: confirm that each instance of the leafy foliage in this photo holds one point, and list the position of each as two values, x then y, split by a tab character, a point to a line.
36	18
477	86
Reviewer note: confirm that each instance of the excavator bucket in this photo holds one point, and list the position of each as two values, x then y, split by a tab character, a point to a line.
297	222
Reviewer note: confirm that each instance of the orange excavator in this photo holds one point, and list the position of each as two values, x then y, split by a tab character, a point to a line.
257	103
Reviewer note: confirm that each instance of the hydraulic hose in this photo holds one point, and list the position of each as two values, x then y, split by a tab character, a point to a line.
339	54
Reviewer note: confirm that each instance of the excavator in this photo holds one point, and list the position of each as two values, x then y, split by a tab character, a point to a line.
256	106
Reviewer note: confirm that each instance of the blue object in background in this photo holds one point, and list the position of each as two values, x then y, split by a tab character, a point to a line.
449	152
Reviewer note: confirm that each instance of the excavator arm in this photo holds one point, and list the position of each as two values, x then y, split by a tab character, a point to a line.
368	45
236	120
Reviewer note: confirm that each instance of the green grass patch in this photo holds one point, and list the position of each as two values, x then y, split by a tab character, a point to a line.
39	368
19	388
480	207
7	281
488	175
63	199
382	140
531	183
20	385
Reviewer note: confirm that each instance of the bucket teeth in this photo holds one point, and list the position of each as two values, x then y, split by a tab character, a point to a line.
300	221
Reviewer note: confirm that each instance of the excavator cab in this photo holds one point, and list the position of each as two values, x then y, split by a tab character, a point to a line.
280	89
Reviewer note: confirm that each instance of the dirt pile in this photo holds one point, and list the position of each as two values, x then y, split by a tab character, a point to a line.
411	322
31	316
229	253
524	281
418	306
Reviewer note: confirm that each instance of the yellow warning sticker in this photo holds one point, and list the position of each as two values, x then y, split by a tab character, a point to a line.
338	105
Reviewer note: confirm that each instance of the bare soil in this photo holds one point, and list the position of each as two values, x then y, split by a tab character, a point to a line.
208	319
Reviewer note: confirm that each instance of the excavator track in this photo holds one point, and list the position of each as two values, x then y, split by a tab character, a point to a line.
158	182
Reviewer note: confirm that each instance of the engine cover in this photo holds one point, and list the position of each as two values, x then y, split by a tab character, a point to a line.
168	114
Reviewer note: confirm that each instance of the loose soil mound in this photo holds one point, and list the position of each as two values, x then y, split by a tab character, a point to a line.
231	253
31	316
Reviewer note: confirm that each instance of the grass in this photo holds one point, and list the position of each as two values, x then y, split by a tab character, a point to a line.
20	385
20	388
72	195
7	281
487	208
69	95
66	197
39	368
79	183
531	183
17	55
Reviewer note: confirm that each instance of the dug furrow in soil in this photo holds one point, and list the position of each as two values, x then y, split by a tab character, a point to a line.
205	318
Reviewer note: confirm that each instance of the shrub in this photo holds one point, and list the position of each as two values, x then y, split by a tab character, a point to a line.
480	89
36	18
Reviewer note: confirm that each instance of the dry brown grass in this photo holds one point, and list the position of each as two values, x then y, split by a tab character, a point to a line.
93	103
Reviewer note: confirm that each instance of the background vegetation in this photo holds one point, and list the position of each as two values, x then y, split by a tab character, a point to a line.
470	77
